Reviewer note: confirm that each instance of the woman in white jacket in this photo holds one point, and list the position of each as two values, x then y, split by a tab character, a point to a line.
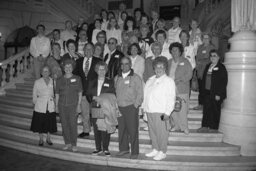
159	99
44	116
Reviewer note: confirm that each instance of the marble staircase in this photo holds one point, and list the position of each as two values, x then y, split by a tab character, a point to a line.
196	151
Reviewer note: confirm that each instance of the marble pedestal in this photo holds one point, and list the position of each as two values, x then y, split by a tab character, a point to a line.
238	117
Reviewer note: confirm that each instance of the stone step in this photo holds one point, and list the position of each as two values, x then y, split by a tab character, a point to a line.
172	162
174	148
16	101
24	119
26	97
193	123
25	93
19	95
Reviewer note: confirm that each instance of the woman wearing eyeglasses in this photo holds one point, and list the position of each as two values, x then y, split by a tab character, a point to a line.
102	40
214	85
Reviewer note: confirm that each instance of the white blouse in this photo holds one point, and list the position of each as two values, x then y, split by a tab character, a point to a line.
43	96
190	54
116	33
159	95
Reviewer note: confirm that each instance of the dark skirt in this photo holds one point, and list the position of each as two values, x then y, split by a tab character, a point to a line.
44	122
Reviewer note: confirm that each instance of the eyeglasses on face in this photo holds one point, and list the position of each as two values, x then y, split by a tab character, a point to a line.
112	43
214	55
125	64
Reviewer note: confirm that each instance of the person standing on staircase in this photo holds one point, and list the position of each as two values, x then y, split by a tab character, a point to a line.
158	104
129	93
180	70
44	117
96	87
68	33
40	47
202	59
214	83
68	103
85	70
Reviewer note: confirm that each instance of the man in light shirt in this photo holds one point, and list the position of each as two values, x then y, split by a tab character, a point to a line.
57	39
40	47
161	37
174	32
68	33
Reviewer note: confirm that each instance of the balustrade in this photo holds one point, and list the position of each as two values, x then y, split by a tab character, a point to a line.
14	66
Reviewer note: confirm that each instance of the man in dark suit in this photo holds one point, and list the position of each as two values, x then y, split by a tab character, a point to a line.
85	69
112	59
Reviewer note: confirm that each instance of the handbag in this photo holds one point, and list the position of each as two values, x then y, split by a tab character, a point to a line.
194	83
178	104
96	110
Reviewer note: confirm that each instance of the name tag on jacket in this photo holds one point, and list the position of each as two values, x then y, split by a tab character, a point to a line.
126	81
106	85
73	80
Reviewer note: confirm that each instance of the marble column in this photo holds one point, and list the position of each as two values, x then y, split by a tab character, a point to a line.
238	117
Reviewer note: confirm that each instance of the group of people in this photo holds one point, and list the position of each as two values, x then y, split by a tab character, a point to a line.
117	68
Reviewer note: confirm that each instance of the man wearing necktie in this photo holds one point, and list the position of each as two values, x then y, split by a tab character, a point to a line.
85	69
112	58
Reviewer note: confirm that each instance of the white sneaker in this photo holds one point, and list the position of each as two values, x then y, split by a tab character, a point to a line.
152	153
74	149
160	156
66	147
145	128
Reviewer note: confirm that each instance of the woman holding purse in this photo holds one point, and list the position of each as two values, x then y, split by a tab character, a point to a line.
44	117
96	87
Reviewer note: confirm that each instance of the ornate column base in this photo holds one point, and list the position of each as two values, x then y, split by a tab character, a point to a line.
238	118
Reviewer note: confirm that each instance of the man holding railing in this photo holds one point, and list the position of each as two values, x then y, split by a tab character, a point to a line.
40	47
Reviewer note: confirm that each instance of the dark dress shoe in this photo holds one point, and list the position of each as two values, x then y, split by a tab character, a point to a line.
83	134
107	153
49	142
41	143
134	156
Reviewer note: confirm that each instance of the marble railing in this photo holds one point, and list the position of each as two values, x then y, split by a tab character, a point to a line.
14	66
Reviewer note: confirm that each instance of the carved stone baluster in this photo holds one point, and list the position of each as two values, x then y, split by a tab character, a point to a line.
21	65
18	67
25	63
3	75
11	71
31	63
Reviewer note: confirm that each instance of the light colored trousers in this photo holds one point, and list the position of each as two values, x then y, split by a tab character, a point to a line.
37	67
158	132
85	113
180	119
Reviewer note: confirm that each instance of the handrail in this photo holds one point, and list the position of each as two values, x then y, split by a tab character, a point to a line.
14	57
14	66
